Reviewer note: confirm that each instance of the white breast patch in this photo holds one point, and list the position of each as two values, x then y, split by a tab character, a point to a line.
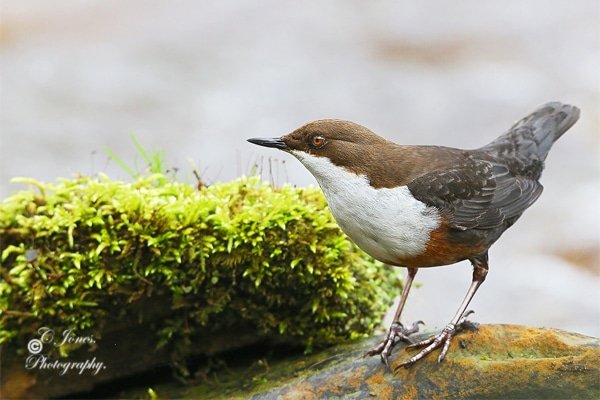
389	224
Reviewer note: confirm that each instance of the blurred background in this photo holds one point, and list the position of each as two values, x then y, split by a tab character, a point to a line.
195	79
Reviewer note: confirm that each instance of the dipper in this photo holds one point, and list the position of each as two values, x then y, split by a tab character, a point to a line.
426	206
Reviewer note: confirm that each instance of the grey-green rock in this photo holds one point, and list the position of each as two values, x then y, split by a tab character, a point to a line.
497	361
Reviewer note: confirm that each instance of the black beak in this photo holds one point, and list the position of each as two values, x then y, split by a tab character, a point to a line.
269	142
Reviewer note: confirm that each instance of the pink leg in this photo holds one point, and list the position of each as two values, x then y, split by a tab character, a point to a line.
444	338
397	331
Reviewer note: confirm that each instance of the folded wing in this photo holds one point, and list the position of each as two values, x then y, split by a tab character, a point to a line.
481	194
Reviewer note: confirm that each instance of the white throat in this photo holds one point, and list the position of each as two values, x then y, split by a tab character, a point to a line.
389	224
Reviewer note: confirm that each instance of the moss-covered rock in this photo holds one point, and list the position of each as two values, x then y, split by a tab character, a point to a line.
88	254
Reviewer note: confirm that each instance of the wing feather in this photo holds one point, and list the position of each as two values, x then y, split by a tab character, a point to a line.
480	194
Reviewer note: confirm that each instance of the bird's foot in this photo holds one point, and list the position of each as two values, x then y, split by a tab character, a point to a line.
396	333
442	339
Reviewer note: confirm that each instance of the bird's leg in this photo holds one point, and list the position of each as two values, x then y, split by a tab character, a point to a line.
443	339
397	330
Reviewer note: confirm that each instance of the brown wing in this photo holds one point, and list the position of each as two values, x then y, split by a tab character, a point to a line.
480	194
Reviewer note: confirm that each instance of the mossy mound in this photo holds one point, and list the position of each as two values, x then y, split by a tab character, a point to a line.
83	251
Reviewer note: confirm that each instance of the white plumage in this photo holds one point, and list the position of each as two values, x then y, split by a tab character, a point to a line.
389	224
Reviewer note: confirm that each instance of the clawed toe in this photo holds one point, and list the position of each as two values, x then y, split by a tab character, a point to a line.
463	324
442	339
396	333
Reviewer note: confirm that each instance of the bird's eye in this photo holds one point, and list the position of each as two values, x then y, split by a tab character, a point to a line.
318	141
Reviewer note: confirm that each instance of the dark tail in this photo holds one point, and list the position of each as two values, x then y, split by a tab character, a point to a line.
533	136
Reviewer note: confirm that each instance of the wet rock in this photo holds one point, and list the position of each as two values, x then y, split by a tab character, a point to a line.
497	361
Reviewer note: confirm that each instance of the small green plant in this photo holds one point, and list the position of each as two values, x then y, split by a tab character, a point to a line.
152	394
154	161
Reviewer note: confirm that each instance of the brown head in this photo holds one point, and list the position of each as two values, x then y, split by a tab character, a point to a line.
344	143
347	145
332	138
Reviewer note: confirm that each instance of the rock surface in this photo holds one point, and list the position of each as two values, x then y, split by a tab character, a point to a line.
497	361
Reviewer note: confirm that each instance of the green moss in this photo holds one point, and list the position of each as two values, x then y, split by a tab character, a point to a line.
78	252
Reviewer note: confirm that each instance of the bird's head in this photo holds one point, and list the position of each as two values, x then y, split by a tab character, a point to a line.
343	143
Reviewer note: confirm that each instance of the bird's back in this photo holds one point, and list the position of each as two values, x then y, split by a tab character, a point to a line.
486	193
